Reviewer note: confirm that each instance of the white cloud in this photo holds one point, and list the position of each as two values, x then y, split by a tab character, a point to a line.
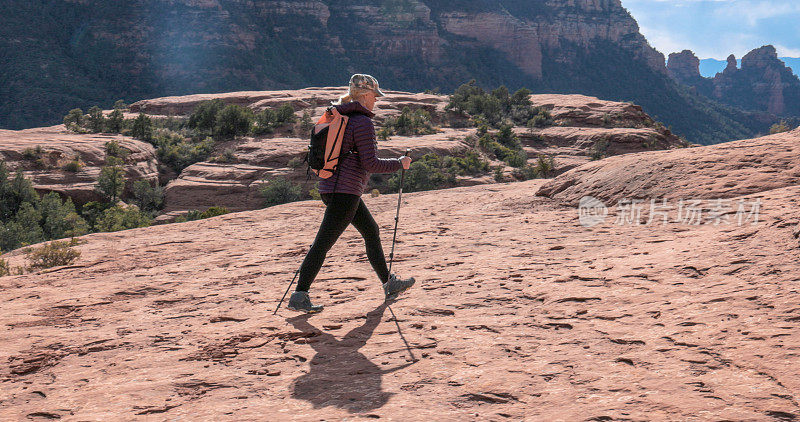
787	52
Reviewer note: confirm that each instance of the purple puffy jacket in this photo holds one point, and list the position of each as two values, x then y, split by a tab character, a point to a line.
354	169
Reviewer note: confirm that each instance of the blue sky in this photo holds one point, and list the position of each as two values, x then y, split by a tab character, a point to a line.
717	28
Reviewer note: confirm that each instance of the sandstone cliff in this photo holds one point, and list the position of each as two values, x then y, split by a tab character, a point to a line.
763	83
58	147
105	51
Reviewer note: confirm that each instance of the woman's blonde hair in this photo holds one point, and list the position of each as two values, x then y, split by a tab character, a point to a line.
353	94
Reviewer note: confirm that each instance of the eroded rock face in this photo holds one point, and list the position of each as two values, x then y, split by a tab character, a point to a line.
717	171
518	311
60	147
763	83
417	45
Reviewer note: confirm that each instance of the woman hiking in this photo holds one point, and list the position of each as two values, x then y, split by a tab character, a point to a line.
341	193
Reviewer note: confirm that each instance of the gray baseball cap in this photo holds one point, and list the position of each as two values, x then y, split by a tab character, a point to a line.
360	80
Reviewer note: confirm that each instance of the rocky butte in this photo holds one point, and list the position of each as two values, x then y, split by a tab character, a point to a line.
763	83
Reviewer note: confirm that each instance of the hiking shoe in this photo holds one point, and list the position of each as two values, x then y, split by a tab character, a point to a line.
396	285
302	303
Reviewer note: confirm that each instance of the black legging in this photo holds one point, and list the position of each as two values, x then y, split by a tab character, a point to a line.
343	209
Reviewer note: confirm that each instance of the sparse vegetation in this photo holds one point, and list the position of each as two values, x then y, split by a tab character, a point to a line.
268	120
149	198
142	128
496	107
233	120
409	122
437	172
779	127
228	155
179	152
543	167
504	145
4	268
198	215
306	124
280	190
33	153
111	182
541	119
26	218
116	218
53	254
600	149
73	166
295	162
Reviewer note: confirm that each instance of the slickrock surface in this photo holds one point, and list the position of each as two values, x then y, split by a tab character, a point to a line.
582	123
717	171
520	312
60	147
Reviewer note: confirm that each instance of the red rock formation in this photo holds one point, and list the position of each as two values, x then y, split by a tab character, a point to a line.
61	146
724	170
583	124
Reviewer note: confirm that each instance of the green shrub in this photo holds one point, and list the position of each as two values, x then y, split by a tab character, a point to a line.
120	105
33	154
600	149
306	124
384	133
73	166
280	191
268	120
197	215
204	116
4	268
295	162
408	123
541	119
436	172
59	218
183	153
74	120
285	114
53	254
498	174
233	120
114	149
544	166
116	218
147	197
526	172
111	182
227	156
493	107
115	121
314	192
96	122
504	145
142	128
780	127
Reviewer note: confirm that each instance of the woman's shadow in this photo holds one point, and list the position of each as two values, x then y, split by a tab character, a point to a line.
339	374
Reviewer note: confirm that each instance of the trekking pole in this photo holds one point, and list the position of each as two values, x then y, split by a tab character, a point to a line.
286	292
397	216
